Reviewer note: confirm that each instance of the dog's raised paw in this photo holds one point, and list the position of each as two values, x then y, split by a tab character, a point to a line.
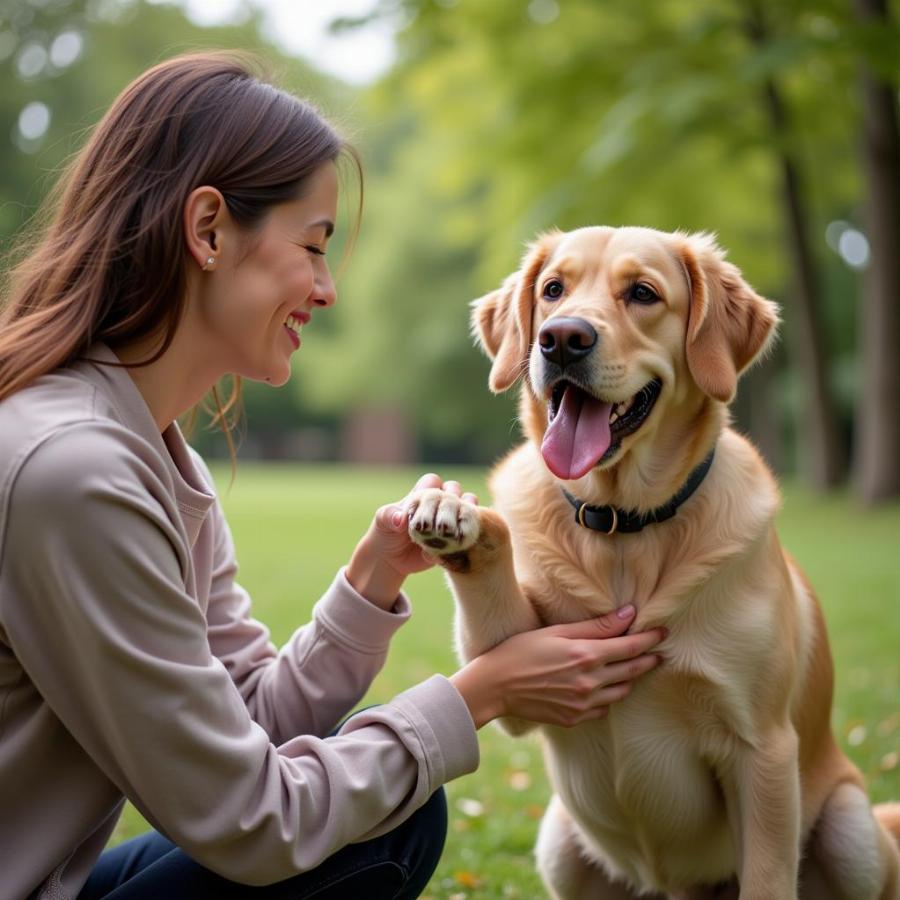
442	523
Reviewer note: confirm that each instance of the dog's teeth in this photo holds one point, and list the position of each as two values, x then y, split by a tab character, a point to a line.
613	418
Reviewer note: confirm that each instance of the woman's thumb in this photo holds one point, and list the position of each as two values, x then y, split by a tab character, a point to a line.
391	518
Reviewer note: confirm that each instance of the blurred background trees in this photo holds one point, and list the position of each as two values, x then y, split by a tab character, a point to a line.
773	124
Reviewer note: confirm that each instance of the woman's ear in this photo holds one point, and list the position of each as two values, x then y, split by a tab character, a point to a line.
501	320
205	216
729	324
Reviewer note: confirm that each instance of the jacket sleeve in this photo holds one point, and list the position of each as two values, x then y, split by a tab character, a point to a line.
321	673
97	612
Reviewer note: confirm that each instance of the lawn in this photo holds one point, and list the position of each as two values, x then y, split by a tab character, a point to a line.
295	526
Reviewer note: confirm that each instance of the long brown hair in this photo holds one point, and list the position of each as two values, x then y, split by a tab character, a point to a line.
108	262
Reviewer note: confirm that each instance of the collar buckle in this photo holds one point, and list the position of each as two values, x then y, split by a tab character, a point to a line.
595	518
583	508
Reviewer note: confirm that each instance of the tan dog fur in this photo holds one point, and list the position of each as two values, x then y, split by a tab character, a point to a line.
718	776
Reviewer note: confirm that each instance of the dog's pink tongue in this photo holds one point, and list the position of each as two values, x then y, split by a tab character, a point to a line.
578	436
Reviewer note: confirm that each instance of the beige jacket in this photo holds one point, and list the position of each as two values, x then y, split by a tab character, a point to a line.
130	666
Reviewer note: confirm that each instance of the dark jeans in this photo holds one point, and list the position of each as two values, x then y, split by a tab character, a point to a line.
395	866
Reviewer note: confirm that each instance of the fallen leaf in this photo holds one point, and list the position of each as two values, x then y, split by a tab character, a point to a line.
467	879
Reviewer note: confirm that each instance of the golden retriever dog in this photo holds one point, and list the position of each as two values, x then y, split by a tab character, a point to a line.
718	776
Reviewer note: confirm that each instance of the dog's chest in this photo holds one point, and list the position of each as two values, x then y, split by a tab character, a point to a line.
567	585
643	784
642	789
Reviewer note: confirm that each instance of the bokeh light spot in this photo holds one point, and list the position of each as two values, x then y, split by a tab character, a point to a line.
34	120
32	60
854	248
66	48
543	11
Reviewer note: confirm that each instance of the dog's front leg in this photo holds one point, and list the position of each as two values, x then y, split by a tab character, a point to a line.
473	545
765	787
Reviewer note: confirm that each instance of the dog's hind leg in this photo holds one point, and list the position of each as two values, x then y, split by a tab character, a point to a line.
849	855
567	872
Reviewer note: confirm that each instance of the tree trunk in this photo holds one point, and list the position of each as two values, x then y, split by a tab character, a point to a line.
824	459
877	450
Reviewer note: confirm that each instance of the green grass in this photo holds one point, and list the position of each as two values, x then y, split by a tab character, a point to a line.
294	527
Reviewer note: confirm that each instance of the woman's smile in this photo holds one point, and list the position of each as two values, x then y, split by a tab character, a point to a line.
294	325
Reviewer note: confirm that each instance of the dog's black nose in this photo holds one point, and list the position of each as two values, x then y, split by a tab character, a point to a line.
566	340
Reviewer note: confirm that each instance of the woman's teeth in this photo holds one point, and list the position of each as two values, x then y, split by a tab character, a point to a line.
294	324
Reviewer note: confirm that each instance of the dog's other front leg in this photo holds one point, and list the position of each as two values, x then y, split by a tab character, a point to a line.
473	545
765	788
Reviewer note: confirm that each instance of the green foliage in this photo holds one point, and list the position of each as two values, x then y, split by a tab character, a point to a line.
294	527
498	121
522	116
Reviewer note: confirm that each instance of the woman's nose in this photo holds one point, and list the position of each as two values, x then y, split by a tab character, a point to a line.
324	292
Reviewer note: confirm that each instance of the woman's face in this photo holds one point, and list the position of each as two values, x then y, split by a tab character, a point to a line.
266	289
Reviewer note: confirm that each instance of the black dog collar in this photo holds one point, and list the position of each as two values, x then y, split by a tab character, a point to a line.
609	519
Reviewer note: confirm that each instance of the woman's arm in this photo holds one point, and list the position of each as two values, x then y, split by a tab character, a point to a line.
321	672
326	667
95	609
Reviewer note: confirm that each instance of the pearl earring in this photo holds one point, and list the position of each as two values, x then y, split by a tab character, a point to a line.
210	260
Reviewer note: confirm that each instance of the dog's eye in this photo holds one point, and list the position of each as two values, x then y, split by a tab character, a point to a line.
553	289
640	293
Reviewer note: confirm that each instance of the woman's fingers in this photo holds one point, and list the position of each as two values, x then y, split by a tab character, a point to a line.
566	674
432	480
609	625
595	706
628	646
614	673
428	481
612	693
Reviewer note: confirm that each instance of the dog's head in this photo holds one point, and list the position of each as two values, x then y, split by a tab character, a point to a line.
618	330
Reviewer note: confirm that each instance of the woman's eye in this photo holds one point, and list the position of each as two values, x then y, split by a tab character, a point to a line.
553	289
640	293
316	251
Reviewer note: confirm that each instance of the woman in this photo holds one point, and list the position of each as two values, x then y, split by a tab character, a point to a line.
189	242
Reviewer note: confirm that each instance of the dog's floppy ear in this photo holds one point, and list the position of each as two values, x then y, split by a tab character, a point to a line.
501	320
729	324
